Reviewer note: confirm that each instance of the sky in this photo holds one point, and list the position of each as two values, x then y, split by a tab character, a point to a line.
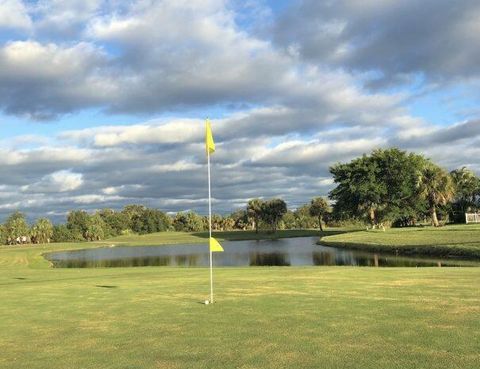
102	103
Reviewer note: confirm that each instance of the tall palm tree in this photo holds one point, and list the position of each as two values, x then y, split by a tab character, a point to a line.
318	208
42	231
436	186
254	211
467	186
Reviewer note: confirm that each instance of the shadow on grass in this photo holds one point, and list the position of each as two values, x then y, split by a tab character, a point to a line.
105	286
261	235
269	235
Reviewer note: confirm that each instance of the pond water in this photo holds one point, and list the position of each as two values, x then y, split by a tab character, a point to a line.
300	251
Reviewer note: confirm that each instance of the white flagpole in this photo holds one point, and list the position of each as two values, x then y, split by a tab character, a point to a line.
210	226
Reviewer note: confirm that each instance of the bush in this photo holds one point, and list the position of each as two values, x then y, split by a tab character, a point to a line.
188	222
61	233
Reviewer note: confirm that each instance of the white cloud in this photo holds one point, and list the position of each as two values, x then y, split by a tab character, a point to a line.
395	40
93	199
300	153
43	155
61	181
179	166
175	131
110	190
34	60
63	16
42	80
14	14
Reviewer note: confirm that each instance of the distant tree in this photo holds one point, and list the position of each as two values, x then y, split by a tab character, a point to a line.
188	222
217	222
359	190
319	208
78	222
254	212
467	192
61	233
42	231
204	220
240	219
15	226
3	237
116	222
436	186
227	224
289	220
150	221
133	212
95	228
381	186
272	212
303	219
399	171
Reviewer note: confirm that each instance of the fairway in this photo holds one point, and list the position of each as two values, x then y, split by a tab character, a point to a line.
310	317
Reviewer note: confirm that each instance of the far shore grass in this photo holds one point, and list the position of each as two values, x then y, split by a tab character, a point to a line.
461	241
162	238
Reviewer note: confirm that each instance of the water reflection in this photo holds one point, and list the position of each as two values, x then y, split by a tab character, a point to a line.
285	252
269	259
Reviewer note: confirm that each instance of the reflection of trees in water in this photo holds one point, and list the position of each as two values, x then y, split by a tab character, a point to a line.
368	260
187	260
269	259
142	261
116	263
340	259
256	258
323	258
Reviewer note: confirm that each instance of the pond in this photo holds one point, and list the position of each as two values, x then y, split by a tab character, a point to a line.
302	251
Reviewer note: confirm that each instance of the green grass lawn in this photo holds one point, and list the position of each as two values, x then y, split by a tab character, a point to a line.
455	240
182	237
303	317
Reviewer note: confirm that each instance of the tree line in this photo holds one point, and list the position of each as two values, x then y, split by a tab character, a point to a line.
394	187
385	188
83	226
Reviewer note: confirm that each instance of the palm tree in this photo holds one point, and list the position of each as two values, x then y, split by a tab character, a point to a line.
15	227
436	186
42	231
254	211
467	186
318	208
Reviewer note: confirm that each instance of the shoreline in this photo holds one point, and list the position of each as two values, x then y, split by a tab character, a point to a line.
444	252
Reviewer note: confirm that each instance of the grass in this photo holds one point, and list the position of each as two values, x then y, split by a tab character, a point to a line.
196	237
310	317
451	241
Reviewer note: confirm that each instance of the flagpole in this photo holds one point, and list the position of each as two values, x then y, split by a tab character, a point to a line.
210	226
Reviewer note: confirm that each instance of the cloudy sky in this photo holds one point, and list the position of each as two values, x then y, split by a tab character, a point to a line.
102	103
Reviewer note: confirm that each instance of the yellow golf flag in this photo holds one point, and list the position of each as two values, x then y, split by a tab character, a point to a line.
215	246
209	143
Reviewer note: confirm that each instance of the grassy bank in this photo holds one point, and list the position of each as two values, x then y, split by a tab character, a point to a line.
450	241
309	317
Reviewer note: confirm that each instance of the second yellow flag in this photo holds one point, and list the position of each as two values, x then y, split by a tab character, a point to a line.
215	245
